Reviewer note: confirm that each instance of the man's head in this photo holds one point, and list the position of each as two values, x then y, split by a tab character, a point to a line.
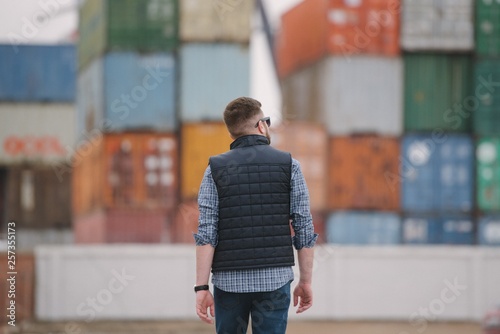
243	117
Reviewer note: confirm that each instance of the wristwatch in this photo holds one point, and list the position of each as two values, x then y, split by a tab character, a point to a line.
200	288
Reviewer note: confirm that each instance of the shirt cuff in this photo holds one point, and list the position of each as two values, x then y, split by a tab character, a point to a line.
201	241
299	244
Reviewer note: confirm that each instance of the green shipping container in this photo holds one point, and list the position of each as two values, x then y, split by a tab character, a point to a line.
127	25
488	27
487	81
435	84
488	174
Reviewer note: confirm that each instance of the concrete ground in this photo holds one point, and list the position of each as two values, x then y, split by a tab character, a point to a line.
197	327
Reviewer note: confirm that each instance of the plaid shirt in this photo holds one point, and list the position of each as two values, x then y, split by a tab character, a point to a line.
255	280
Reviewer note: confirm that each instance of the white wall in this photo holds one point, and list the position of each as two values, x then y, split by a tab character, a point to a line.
384	283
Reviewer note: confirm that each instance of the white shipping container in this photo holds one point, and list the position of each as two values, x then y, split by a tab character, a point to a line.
36	132
437	25
215	21
349	95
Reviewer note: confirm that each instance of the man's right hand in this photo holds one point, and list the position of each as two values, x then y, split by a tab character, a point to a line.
205	301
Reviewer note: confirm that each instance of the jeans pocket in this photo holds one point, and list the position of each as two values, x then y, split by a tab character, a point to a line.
227	300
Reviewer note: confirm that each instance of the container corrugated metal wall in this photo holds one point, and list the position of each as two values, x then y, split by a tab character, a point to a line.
487	115
489	230
207	21
127	25
437	173
138	93
200	141
433	85
308	143
129	170
90	99
363	228
315	28
122	225
437	25
488	173
37	73
421	230
458	230
359	167
35	132
37	198
346	95
302	36
211	76
92	31
454	230
487	28
24	287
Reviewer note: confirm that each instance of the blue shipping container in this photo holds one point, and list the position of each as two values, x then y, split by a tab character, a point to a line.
437	173
453	230
126	91
211	76
421	230
458	230
489	230
37	73
363	228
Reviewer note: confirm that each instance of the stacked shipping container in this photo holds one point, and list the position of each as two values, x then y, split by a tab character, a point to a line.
149	71
126	167
339	67
487	120
333	57
37	133
437	150
214	69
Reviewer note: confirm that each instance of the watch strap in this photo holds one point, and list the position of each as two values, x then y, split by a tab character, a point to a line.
200	287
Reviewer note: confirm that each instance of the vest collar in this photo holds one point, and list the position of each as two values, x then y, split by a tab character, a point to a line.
249	140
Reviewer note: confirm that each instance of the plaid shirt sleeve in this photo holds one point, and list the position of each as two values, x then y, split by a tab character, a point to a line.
300	210
208	204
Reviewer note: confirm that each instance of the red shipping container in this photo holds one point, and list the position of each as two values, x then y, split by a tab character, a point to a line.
315	28
24	288
358	173
123	225
185	222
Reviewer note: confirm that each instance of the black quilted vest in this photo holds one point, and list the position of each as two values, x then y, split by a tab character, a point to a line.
253	185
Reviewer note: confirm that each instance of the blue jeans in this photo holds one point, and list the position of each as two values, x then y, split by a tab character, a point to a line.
269	311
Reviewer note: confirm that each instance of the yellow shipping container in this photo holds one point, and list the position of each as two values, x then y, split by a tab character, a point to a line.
199	142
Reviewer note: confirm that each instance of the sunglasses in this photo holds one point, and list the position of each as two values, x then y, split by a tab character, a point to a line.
264	119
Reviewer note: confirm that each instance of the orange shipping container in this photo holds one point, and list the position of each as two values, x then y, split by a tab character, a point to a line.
315	28
358	171
200	141
127	170
308	143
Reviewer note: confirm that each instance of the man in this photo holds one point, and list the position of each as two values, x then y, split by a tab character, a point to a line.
247	198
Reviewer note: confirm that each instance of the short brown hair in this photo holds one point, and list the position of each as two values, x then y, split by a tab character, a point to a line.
238	113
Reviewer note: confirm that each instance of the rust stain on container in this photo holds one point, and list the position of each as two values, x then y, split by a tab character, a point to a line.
360	172
308	143
200	141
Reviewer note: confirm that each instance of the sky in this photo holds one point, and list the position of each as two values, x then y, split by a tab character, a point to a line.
56	22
